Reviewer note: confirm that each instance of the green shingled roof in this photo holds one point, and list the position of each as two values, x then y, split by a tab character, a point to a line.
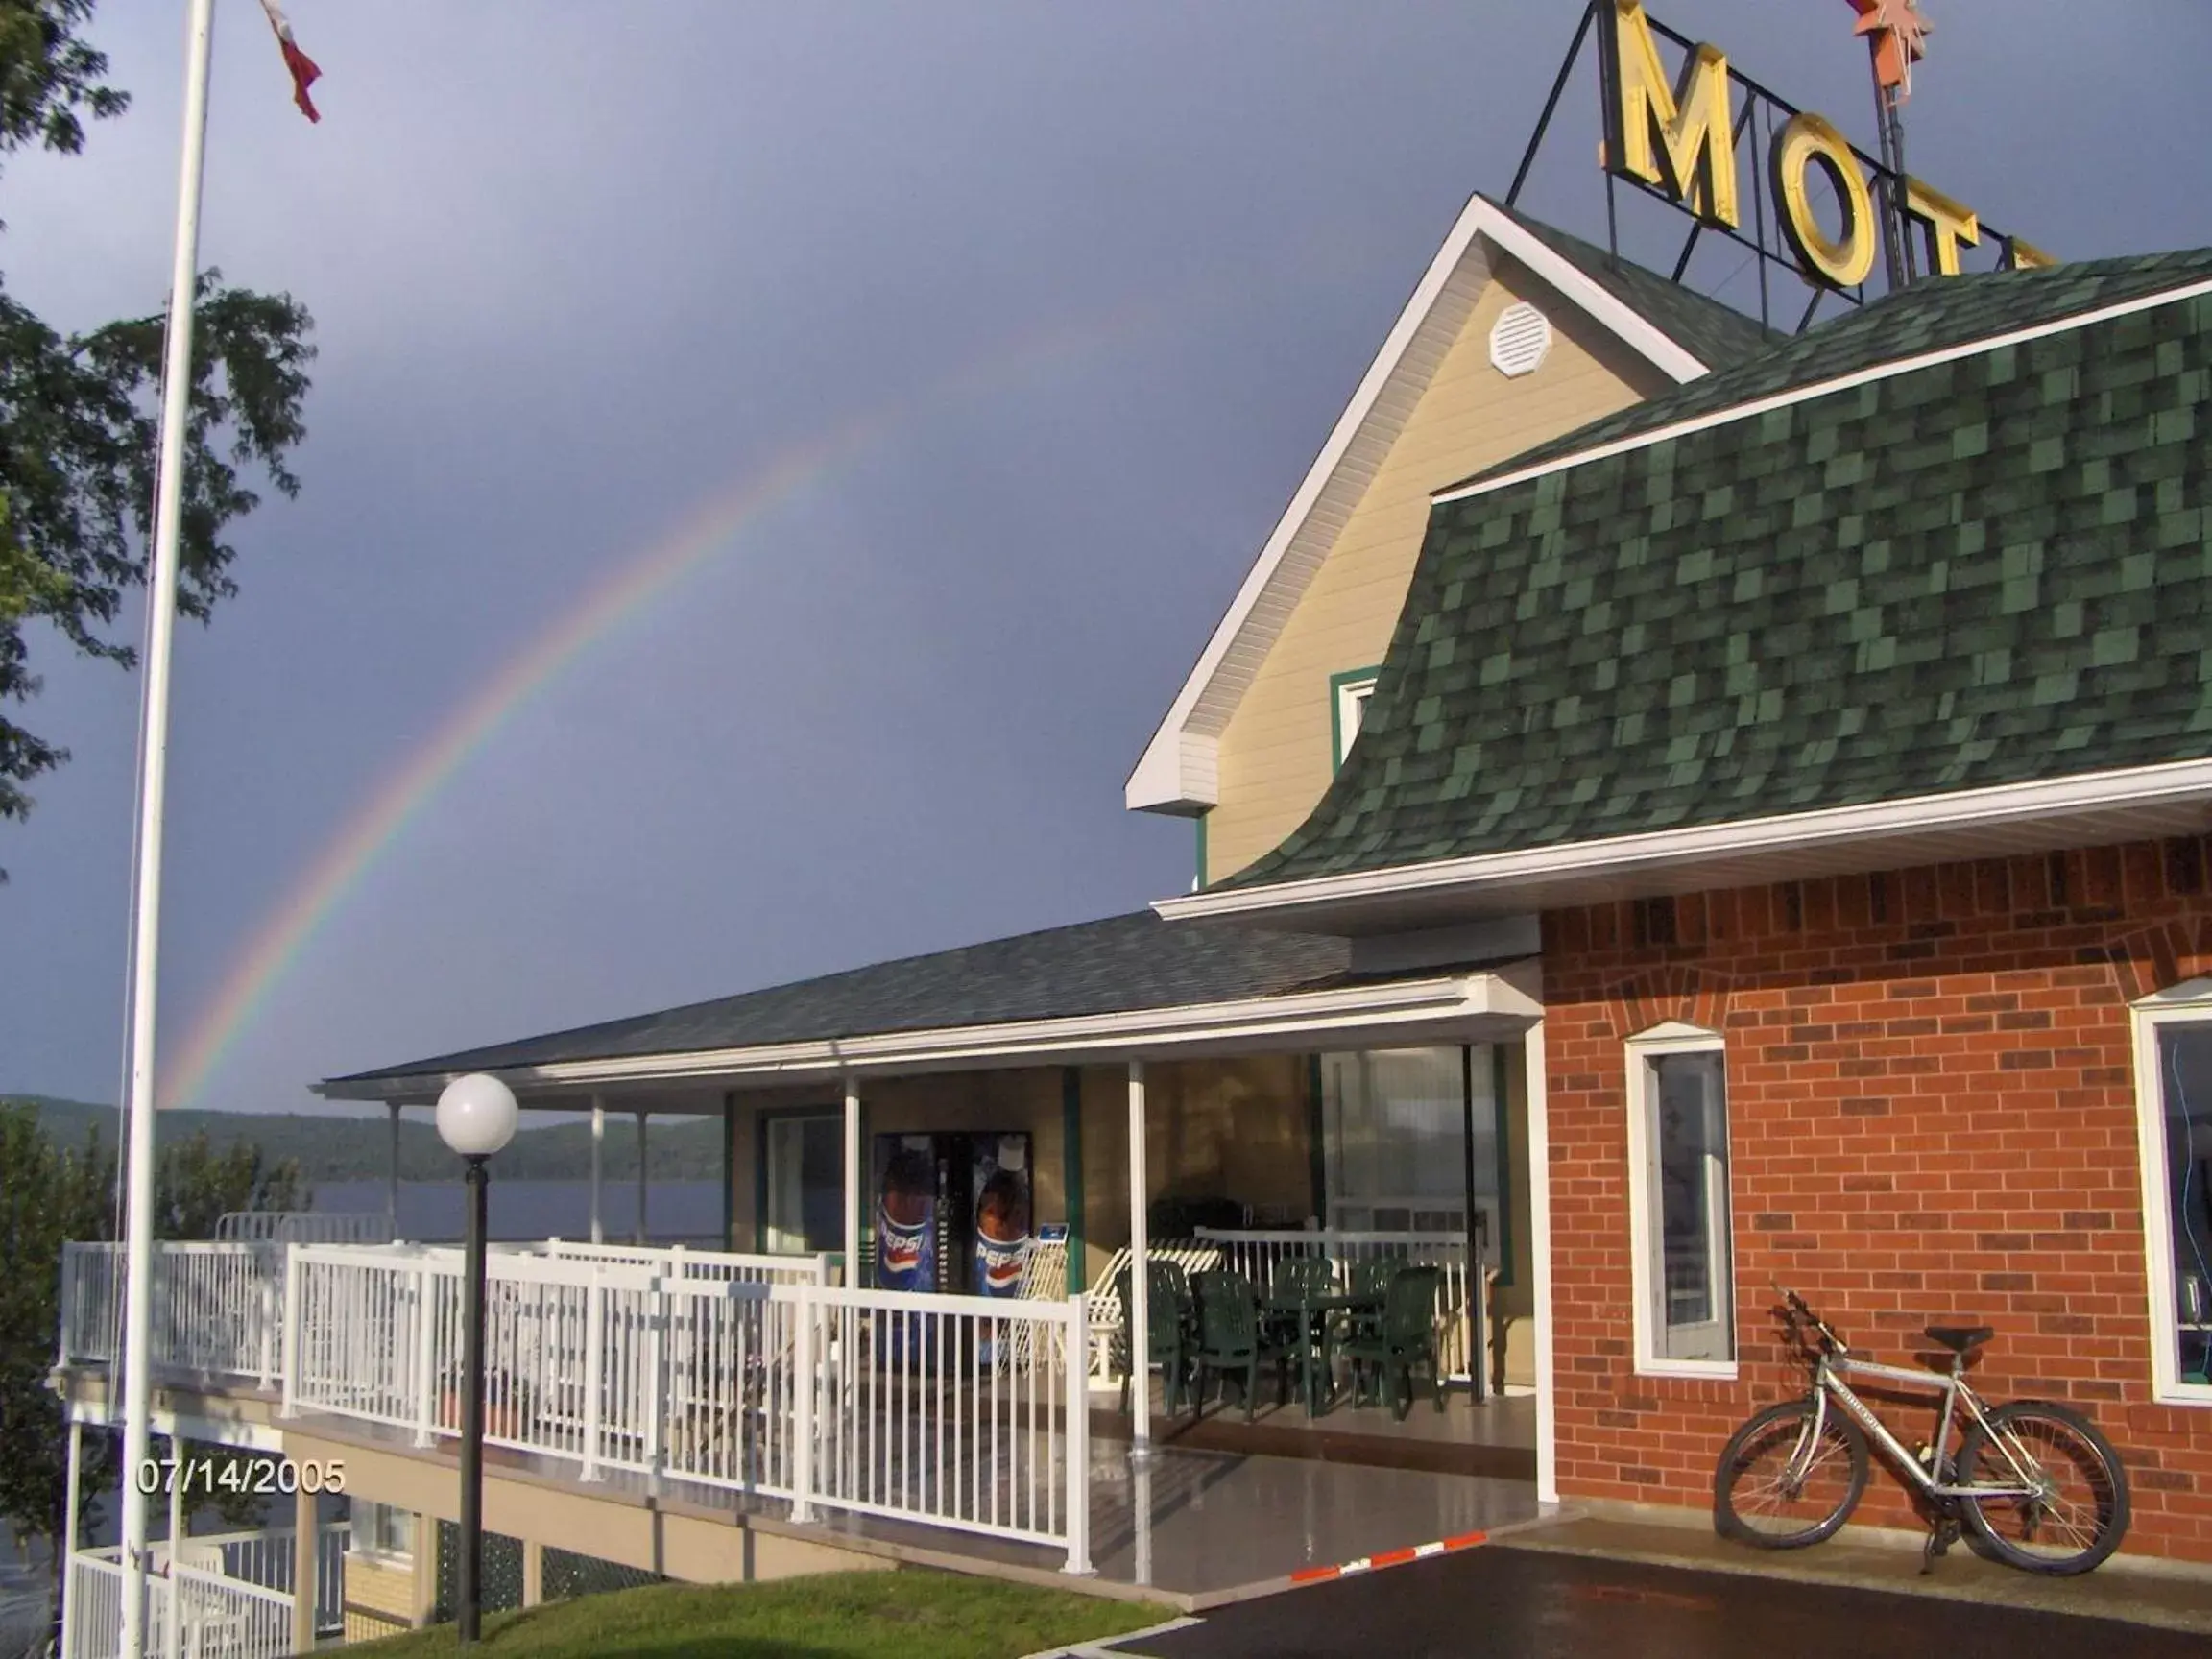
1979	572
1715	333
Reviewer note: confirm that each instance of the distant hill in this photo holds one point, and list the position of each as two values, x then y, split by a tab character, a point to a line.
347	1148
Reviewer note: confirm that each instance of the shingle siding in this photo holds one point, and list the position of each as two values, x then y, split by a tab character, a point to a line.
1984	571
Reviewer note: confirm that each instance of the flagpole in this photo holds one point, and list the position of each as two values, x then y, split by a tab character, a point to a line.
145	921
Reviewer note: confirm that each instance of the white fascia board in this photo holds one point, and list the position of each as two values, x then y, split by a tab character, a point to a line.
1500	873
1822	388
1164	778
1152	1031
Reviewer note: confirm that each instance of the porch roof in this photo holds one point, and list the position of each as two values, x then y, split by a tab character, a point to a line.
1097	987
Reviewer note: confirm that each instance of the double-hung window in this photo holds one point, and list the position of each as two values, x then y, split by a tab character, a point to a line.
1681	1250
2173	1098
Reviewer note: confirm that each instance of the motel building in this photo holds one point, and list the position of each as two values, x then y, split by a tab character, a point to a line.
1681	804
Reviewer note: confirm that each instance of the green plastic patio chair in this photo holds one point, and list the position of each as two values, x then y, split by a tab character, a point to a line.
1233	1341
1371	1278
1406	1343
1309	1342
1167	1331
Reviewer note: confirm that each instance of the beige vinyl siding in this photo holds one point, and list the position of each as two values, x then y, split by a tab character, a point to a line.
380	1596
1274	755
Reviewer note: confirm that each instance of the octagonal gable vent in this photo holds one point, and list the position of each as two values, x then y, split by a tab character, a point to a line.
1518	340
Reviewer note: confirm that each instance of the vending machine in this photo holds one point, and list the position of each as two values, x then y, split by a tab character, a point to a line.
952	1213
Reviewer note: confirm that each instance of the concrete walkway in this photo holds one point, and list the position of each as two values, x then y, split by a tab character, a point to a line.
2141	1593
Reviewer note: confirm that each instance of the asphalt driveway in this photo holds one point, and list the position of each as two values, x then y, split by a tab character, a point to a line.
1498	1603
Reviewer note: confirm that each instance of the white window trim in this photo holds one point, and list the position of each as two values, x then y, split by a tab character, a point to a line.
360	1551
2189	1004
1672	1038
1352	699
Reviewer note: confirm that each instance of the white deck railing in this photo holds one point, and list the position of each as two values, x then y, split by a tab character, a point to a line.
218	1617
877	1402
1460	1327
217	1307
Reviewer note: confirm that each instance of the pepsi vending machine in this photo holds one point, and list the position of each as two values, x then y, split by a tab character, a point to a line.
952	1213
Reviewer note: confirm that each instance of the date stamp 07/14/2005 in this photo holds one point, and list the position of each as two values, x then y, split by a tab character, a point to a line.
261	1476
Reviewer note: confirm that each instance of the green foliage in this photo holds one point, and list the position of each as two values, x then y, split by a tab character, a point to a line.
79	416
47	1196
50	1195
194	1185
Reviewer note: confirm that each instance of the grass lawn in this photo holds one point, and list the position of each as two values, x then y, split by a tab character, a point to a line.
902	1615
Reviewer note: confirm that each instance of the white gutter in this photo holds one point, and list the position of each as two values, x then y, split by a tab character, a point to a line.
1159	1032
1502	873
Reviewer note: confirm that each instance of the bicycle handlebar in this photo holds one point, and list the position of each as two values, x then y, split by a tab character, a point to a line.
1834	1343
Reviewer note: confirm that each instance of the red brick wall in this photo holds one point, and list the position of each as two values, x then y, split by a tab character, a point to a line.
1931	1116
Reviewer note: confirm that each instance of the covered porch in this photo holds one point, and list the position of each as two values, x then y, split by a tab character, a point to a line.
1293	1103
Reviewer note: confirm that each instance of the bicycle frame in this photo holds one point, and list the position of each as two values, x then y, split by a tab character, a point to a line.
1828	1384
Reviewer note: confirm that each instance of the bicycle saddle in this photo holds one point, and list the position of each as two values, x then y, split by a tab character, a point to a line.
1960	1338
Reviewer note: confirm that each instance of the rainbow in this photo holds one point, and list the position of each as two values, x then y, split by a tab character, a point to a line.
626	591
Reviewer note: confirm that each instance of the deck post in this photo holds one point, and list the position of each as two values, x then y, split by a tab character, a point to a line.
852	1185
594	1371
1135	1318
294	1316
598	1162
805	1302
303	1569
66	1546
640	1175
1075	1357
173	1631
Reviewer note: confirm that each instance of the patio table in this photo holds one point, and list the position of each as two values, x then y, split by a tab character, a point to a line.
1304	1309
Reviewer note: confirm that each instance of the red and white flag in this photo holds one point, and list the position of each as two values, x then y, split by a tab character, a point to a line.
305	74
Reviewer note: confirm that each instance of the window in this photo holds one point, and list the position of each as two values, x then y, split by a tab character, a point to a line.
1681	1255
1394	1144
803	1178
381	1532
1348	694
2174	1091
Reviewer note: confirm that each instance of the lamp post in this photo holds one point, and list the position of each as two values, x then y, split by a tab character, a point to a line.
476	1117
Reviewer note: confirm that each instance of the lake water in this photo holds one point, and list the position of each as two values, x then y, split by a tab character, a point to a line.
676	1212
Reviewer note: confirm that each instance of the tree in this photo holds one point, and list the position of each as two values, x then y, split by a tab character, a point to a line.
48	1197
78	422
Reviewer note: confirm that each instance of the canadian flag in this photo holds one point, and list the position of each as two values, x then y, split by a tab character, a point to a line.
305	74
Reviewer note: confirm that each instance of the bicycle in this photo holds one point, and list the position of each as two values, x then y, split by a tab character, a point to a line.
2054	1499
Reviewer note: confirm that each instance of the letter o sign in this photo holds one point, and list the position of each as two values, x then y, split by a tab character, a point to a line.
1805	142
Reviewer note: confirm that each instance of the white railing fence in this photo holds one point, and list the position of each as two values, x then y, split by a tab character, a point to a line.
217	1307
875	1402
218	1618
1460	1326
304	1227
681	1262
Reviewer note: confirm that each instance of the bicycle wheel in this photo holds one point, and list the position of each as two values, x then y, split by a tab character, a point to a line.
1778	1489
2078	1517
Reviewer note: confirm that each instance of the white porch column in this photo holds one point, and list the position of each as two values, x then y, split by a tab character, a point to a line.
598	1166
640	1177
392	1184
852	1185
304	1556
1540	1264
1137	1316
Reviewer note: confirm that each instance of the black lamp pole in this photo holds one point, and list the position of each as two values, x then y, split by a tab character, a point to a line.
470	1613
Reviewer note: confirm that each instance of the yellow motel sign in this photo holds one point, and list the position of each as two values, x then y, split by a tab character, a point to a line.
1679	137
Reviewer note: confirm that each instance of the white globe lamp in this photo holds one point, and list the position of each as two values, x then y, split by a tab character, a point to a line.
476	1114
